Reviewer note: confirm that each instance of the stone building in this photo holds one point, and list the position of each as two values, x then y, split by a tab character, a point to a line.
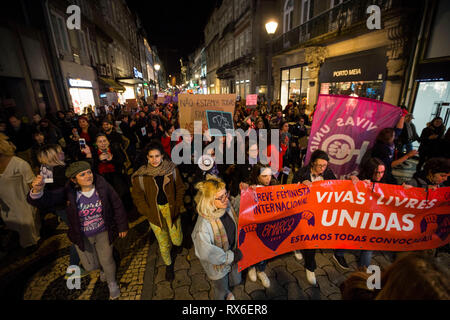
326	47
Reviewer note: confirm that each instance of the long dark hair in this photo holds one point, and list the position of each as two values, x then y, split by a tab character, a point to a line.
369	168
256	172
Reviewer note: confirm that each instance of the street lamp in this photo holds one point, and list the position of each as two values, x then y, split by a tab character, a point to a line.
271	28
157	67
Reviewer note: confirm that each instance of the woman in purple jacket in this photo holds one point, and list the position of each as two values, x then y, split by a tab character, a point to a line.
95	214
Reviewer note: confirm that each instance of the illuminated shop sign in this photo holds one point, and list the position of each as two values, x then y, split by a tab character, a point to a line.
78	83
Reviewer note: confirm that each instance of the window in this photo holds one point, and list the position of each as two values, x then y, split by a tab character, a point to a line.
82	40
60	33
288	15
295	85
307	10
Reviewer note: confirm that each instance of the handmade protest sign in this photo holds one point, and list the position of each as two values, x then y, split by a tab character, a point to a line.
161	98
340	215
220	121
193	108
251	100
346	127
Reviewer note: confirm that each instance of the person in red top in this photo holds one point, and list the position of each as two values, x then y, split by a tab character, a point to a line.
166	139
108	161
87	131
276	161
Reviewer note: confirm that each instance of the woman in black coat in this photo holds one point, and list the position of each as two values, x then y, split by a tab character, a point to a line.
316	170
431	141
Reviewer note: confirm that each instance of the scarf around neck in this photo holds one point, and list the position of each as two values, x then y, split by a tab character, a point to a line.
165	168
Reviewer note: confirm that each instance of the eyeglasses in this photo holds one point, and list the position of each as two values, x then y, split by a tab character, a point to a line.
224	197
321	165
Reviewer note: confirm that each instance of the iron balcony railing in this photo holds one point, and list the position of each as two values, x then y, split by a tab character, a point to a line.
339	18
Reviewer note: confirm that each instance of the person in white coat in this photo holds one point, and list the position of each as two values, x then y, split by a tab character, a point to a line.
16	176
215	237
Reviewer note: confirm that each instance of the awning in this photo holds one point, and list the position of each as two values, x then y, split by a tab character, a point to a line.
362	66
110	83
130	80
433	71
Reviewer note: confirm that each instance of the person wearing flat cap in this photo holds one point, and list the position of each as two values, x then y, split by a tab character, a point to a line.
96	217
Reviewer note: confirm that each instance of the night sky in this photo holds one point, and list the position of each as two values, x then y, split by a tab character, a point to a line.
174	27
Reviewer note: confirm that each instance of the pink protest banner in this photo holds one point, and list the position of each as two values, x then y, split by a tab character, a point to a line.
346	127
251	100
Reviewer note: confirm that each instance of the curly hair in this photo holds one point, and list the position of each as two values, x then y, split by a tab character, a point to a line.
206	194
437	165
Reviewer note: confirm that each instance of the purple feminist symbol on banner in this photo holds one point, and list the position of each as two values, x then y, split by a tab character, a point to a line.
442	224
273	233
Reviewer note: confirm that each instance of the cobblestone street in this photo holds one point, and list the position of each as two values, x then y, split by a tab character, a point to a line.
40	276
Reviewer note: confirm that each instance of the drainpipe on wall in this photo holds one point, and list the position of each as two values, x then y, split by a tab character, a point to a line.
59	78
407	89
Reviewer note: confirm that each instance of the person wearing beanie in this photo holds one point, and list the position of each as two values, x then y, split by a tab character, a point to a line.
95	214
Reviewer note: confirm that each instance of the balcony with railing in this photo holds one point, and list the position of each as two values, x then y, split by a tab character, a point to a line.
337	20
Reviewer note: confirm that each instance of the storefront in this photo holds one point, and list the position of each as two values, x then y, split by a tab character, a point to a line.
433	94
294	84
109	91
362	74
134	89
82	95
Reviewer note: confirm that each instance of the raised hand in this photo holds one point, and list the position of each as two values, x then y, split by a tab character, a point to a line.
38	184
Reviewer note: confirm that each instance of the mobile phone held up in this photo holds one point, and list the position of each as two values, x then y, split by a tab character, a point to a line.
82	143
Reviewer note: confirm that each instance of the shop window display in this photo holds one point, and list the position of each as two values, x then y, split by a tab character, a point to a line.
364	89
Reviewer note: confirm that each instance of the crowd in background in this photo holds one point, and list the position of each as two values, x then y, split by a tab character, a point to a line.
118	161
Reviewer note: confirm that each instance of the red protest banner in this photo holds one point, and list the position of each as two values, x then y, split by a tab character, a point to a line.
340	215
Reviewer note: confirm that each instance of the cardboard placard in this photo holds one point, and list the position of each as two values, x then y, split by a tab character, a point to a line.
252	100
193	108
219	120
131	103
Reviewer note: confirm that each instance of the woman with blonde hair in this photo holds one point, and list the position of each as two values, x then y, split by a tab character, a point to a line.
15	179
52	156
215	237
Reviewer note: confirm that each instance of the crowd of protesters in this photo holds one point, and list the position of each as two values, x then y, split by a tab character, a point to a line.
113	160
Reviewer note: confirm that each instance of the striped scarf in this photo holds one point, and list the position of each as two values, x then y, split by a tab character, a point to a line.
220	234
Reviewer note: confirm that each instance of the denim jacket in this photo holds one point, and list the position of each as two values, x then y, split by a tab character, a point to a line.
207	252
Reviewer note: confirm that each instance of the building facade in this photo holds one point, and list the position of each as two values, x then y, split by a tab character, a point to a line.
236	47
49	65
28	77
326	47
427	93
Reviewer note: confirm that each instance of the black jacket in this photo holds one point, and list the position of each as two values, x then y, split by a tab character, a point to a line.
304	173
21	138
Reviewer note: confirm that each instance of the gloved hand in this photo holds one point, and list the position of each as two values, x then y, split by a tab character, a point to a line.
237	255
